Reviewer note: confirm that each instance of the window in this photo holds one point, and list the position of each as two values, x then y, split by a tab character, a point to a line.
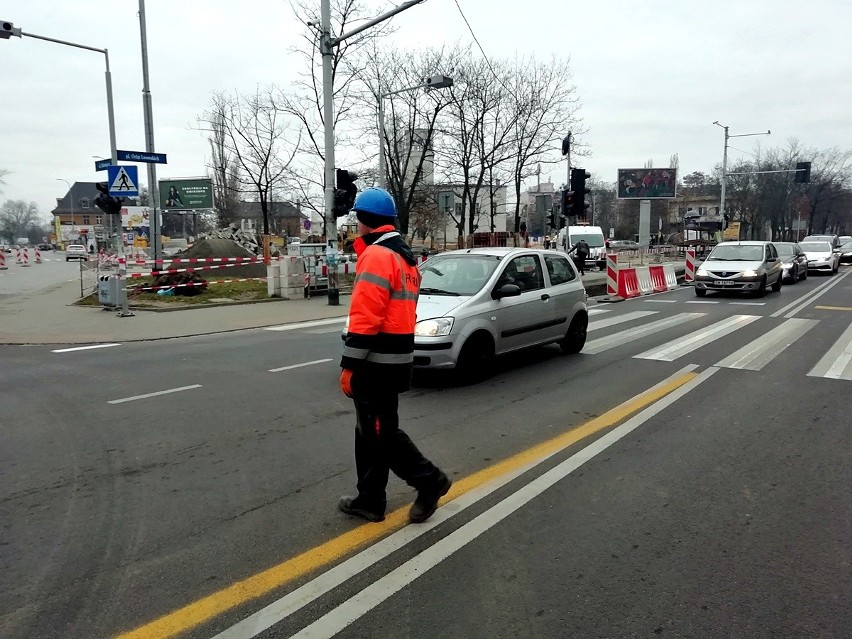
559	270
86	219
99	219
524	271
84	203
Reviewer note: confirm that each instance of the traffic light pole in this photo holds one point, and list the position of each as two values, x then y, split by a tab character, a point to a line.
327	44
153	190
725	163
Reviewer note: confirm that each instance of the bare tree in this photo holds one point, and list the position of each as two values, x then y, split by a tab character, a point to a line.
255	133
831	176
18	219
225	171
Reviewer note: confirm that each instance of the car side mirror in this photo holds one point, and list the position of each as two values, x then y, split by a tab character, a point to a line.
507	290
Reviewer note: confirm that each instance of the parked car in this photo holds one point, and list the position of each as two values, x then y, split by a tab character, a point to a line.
477	304
846	253
834	240
76	252
45	247
821	256
5	248
624	245
748	266
793	261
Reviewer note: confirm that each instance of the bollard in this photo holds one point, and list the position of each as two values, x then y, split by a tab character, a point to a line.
691	262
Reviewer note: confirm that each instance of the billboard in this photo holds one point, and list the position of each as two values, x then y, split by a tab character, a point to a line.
646	184
191	193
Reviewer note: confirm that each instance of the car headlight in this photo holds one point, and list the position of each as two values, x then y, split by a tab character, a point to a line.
750	273
702	272
434	327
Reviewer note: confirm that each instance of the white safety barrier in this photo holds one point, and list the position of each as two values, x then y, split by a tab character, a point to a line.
643	275
671	276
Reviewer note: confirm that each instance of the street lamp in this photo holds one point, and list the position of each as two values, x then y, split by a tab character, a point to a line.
725	163
433	82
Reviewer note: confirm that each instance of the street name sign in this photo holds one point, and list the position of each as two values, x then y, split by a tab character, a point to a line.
142	156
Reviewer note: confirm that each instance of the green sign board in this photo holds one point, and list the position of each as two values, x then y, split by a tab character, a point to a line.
194	193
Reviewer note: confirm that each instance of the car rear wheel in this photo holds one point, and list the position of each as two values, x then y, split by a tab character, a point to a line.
575	336
476	358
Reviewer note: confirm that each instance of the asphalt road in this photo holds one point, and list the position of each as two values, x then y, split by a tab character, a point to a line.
720	508
17	279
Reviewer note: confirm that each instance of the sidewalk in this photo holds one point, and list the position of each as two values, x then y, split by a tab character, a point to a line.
48	316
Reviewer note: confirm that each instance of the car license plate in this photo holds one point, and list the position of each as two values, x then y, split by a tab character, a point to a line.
723	283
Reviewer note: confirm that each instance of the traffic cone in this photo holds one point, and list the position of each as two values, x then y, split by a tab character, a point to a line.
26	257
3	266
37	256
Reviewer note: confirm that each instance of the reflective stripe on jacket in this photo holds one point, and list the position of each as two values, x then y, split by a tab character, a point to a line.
382	313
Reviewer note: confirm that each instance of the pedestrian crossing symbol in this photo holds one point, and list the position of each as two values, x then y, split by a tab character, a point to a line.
123	181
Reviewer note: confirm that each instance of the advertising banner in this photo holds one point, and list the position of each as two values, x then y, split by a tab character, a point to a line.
192	193
646	184
136	218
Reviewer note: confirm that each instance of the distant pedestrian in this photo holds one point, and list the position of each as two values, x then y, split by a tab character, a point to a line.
582	253
377	362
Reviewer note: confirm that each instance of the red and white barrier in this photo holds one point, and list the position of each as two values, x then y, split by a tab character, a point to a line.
26	257
612	274
172	271
18	256
658	278
691	263
643	277
3	266
191	284
628	283
199	260
37	256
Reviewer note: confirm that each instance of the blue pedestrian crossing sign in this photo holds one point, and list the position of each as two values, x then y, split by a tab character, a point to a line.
123	181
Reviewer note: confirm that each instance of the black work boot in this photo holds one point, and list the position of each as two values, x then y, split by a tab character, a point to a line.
427	500
351	506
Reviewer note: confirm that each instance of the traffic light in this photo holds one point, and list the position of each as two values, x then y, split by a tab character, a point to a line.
578	186
567	202
803	172
344	192
107	203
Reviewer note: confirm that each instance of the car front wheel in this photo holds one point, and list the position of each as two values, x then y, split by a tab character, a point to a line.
777	285
475	359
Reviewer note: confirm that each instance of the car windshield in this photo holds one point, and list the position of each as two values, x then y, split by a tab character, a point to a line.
816	247
456	274
785	249
594	240
846	247
735	252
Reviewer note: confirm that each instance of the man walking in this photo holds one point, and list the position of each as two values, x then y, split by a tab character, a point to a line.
377	362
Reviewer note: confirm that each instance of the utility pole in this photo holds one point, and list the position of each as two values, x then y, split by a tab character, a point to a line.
153	190
327	44
725	163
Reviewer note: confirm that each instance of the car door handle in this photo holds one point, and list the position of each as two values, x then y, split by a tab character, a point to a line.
545	297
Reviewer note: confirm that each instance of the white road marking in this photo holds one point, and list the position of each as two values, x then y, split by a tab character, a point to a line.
325	331
619	319
379	591
701	302
83	348
597	311
810	296
681	347
833	365
158	393
297	325
292	366
662	301
294	601
754	356
748	303
617	339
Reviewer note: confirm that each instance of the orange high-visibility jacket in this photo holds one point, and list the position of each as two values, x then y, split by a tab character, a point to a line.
379	344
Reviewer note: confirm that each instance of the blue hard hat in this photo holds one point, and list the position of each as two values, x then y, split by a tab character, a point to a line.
375	201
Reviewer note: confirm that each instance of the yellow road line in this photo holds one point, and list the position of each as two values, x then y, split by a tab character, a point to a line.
834	308
262	583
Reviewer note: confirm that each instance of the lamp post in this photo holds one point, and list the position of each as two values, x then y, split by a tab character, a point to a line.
433	82
725	163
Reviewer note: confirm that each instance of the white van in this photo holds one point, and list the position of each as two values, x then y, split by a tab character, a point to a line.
570	235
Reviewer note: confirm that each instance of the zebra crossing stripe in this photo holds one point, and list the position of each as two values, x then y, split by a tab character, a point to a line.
619	319
670	352
617	339
835	366
597	311
757	354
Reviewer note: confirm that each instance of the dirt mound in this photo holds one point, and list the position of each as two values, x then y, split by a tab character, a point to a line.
215	247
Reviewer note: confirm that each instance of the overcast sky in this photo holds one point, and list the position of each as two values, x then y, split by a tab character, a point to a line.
652	77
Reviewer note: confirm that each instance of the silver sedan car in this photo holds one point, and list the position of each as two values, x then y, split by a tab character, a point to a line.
821	256
479	303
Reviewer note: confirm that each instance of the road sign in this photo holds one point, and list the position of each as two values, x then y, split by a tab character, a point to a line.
102	165
123	181
142	156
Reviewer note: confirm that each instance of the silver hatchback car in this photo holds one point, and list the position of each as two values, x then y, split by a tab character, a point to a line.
476	304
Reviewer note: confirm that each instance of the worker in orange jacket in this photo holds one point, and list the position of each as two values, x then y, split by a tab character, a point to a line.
377	362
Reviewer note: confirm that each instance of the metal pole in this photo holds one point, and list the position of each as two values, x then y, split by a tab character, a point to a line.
153	190
326	47
113	241
724	174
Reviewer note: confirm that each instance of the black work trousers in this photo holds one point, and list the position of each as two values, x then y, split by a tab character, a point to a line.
380	446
